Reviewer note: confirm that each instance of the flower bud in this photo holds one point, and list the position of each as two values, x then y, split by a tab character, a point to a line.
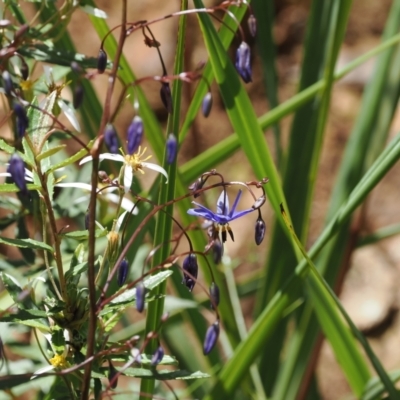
157	356
78	96
207	104
252	24
21	119
16	169
214	294
218	251
103	176
7	83
101	61
190	266
172	148
24	70
134	134
198	184
166	97
259	230
211	337
76	68
111	139
112	375
140	295
122	273
242	63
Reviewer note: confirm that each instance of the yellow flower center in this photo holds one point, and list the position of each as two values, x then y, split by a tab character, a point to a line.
135	160
59	361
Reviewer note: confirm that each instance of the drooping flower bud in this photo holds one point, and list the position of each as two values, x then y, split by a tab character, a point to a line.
24	70
259	230
111	139
101	61
196	185
78	96
211	337
214	294
122	273
218	251
7	83
16	169
112	375
157	356
21	119
166	97
252	24
140	295
190	266
242	63
134	134
207	104
172	148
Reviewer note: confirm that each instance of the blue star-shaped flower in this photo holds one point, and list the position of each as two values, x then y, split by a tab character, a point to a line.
223	215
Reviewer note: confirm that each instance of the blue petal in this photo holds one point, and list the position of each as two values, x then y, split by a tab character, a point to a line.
241	213
239	195
223	204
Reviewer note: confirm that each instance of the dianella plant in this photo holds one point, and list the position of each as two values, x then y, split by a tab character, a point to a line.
115	275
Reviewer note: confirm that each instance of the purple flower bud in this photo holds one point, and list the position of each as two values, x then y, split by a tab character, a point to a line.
135	134
122	273
207	104
242	63
16	169
21	119
111	139
78	96
24	70
218	251
211	337
172	148
198	184
190	266
157	356
7	83
166	97
140	295
214	294
252	24
259	231
101	61
112	375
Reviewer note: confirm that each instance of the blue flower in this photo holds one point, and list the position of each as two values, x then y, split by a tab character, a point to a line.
223	215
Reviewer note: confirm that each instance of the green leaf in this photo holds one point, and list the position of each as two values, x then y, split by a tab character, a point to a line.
163	375
70	160
150	283
50	152
374	388
30	243
6	147
84	235
22	233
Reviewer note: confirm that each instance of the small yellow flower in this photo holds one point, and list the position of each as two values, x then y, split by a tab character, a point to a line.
59	361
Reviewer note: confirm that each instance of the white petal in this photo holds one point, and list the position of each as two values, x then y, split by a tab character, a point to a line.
42	371
80	185
157	168
126	204
70	114
85	160
128	177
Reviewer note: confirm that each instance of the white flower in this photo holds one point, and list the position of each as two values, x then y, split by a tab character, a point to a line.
131	163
